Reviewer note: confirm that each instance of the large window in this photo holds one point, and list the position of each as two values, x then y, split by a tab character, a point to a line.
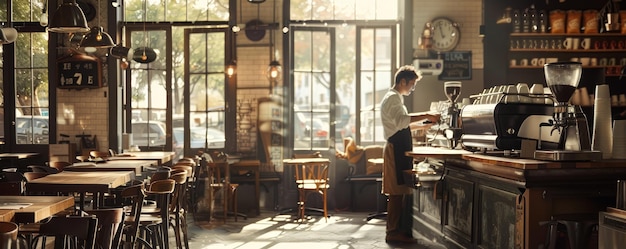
177	102
24	76
341	101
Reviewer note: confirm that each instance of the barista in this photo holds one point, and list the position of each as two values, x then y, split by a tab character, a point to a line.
396	123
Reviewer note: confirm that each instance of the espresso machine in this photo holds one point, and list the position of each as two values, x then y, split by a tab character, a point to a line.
452	133
567	120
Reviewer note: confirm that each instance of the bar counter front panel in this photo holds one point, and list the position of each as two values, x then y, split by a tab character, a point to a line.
496	202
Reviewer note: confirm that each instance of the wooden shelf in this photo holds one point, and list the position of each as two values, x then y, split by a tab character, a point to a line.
567	50
566	34
541	67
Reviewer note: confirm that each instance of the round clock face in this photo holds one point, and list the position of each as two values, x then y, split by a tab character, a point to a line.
446	34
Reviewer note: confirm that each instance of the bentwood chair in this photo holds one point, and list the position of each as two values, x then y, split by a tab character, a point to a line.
311	178
69	232
109	227
219	181
178	209
59	165
155	225
135	195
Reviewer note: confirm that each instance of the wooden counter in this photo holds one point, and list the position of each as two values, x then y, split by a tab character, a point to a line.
489	201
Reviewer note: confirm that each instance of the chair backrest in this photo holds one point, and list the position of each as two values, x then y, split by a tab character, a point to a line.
135	194
311	173
178	198
109	223
83	228
12	176
12	183
159	175
39	168
99	154
34	175
216	171
59	165
8	235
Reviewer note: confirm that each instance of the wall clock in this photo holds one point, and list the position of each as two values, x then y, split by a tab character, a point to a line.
446	34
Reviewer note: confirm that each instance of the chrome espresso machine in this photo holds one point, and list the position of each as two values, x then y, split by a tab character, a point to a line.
502	119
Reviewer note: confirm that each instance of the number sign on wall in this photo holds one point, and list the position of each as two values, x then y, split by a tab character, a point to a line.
79	71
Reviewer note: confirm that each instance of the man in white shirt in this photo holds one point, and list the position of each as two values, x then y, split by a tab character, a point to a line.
396	123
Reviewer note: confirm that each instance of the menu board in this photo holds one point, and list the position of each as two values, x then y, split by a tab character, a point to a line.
79	71
457	65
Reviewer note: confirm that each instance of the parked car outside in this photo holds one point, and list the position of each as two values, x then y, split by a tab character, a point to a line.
215	139
32	130
148	133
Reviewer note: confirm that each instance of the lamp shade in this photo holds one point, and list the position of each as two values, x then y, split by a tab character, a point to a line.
144	55
68	18
122	52
96	38
8	35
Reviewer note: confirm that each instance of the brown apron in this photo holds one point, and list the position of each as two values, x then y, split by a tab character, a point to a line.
395	161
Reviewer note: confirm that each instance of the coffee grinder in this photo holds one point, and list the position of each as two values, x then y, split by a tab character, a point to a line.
569	120
452	90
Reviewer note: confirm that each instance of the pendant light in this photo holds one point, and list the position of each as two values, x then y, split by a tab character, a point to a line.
274	70
68	18
96	38
8	35
145	54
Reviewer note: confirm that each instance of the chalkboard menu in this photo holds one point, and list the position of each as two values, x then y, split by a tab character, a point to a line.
79	71
457	65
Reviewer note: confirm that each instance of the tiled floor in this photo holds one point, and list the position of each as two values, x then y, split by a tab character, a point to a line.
342	231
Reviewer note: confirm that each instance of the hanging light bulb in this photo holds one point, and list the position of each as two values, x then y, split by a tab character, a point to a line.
231	68
274	71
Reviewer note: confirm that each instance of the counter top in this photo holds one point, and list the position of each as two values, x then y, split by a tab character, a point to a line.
526	171
437	152
521	163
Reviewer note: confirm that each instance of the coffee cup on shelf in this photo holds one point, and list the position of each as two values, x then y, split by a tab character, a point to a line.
585	43
523	62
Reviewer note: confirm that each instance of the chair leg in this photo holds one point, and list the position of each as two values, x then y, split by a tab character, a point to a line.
184	228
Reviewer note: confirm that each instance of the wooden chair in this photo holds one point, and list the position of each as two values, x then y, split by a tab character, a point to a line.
110	220
12	183
99	154
135	195
59	165
178	209
156	225
312	178
219	181
69	232
8	235
39	168
34	175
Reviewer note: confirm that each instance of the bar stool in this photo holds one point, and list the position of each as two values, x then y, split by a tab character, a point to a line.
577	226
8	235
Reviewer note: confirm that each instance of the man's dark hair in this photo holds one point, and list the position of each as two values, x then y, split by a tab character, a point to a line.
408	73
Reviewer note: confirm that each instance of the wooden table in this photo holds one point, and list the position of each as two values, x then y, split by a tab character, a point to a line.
6	215
138	166
41	207
81	182
254	166
14	158
162	157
